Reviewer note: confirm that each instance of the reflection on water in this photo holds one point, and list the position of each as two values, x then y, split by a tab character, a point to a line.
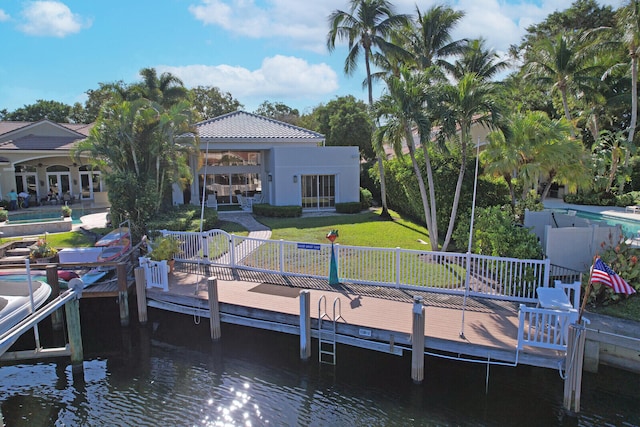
170	374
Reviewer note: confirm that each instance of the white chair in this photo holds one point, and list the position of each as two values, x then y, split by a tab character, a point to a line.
212	202
257	199
245	202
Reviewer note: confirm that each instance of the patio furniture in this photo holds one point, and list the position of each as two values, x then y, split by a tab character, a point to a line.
633	209
245	202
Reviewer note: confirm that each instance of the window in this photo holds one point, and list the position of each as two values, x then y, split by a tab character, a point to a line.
318	191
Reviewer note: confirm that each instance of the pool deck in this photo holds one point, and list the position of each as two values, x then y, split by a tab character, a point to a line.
616	211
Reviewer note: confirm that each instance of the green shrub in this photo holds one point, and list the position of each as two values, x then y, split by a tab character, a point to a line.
4	204
349	207
183	218
531	202
366	199
66	211
264	209
4	215
496	233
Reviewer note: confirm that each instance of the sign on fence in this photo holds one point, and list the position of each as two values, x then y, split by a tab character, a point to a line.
311	246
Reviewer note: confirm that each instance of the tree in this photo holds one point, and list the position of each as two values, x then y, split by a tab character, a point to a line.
210	102
50	110
471	100
278	111
562	63
403	109
366	26
475	58
345	121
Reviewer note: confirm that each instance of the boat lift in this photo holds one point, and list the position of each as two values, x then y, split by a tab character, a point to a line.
70	300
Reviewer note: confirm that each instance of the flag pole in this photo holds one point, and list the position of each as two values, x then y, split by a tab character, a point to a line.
587	291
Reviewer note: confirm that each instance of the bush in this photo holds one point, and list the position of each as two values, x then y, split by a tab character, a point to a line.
4	215
366	199
183	218
264	209
496	233
349	208
66	211
531	202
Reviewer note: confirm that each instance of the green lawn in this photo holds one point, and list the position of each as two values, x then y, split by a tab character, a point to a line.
364	229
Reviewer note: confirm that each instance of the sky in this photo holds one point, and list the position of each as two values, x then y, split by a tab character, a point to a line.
257	50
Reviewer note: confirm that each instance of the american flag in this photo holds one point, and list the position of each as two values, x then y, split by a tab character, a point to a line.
602	273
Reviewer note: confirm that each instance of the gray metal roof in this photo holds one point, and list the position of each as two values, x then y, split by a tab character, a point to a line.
241	125
34	142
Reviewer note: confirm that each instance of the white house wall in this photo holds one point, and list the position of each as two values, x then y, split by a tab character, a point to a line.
286	162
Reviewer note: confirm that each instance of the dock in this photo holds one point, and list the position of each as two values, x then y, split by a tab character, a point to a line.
375	318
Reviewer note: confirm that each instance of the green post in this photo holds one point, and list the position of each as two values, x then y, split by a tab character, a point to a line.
333	265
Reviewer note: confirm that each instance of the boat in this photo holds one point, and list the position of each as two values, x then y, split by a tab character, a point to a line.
15	304
109	253
92	276
115	237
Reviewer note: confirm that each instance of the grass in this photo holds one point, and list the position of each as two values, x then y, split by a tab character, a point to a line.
627	309
364	229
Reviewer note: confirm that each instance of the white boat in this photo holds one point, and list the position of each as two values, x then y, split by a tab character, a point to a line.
15	303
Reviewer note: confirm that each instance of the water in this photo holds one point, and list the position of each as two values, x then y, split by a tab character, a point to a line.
630	228
170	374
44	216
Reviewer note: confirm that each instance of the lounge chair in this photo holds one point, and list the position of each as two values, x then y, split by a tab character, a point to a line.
212	202
633	209
245	203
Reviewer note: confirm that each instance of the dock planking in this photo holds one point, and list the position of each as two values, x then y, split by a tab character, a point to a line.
378	318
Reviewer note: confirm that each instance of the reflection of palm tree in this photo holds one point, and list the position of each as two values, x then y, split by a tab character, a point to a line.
367	26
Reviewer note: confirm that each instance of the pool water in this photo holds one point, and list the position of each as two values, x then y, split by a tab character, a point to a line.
27	217
630	228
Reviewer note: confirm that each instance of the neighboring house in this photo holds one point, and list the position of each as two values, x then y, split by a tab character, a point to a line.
251	155
35	158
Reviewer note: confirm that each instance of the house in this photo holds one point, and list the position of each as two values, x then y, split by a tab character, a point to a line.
35	157
248	155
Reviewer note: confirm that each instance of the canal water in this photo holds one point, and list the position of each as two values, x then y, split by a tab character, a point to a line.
171	374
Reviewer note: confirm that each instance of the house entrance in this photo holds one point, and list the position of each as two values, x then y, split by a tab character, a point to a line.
318	191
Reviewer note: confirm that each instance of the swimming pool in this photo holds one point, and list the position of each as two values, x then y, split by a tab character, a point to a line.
630	228
35	216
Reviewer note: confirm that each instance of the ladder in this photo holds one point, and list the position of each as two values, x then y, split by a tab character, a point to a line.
327	334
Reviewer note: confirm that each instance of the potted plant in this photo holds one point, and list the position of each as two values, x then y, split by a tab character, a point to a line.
164	248
66	211
42	251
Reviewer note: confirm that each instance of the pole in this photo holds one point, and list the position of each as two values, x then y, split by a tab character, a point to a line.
333	268
473	211
586	292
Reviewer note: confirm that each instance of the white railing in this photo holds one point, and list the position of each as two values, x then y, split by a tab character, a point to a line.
544	328
479	275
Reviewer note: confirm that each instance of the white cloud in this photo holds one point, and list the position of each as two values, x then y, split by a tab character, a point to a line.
51	18
4	16
278	76
303	23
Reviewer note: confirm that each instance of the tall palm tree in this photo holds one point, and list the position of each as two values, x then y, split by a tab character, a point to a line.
402	109
429	39
563	63
366	27
478	59
629	20
471	100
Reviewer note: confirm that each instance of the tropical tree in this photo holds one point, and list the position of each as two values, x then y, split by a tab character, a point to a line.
367	26
279	111
478	59
471	101
403	109
210	102
563	63
42	109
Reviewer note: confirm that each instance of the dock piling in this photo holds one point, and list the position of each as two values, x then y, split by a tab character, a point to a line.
214	308
141	294
123	293
52	280
305	325
417	341
72	311
574	361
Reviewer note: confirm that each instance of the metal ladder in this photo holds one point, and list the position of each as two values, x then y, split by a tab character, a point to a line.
327	335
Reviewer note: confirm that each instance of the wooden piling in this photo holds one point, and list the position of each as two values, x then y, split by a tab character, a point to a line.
123	293
214	308
573	364
141	295
52	280
417	341
72	310
305	325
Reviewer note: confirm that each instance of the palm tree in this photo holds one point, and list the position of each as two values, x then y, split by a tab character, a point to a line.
471	100
562	63
429	38
475	58
629	19
367	26
402	109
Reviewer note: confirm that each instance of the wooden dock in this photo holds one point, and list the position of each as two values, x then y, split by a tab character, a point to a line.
377	318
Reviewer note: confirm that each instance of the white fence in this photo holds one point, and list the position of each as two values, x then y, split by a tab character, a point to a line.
545	328
502	278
